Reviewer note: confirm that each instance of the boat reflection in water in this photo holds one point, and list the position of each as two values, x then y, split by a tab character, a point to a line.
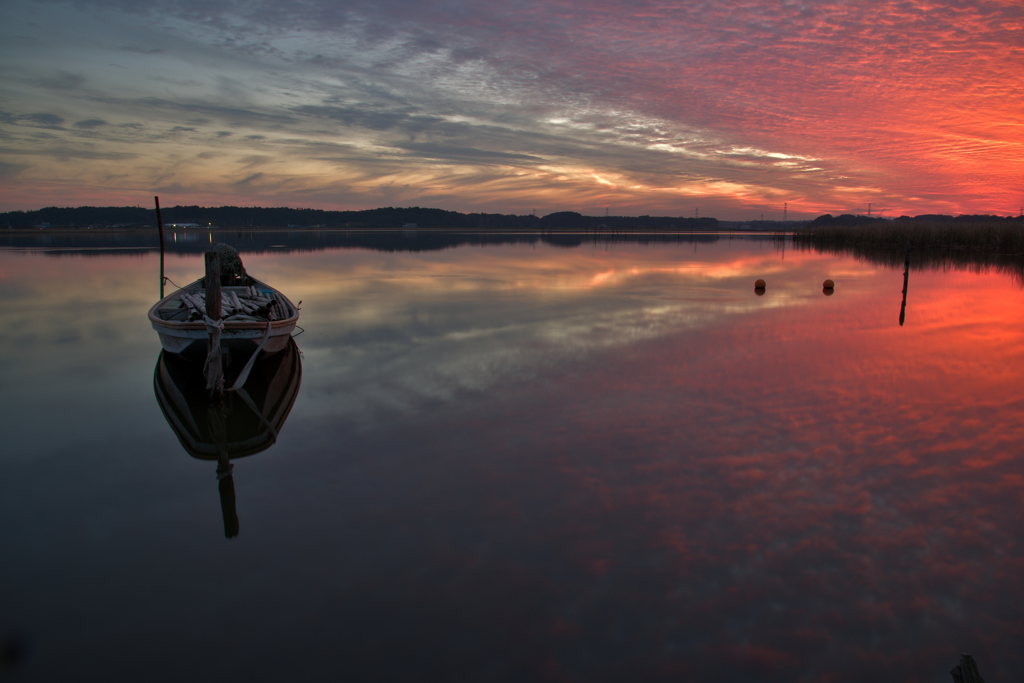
242	422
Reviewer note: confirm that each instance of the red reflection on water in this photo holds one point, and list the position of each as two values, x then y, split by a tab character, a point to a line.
822	452
802	492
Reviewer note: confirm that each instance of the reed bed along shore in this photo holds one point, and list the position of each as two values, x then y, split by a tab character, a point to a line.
997	237
976	246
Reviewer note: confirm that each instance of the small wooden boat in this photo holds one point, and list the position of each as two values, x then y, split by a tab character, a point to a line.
252	314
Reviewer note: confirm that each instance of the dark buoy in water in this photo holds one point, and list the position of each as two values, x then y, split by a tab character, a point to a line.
759	287
828	288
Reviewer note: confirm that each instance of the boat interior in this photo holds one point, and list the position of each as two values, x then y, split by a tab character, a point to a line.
252	303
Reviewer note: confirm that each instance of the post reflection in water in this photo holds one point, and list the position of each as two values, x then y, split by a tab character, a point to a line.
906	282
243	422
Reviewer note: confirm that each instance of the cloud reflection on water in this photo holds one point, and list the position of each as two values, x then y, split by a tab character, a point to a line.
495	469
438	322
808	492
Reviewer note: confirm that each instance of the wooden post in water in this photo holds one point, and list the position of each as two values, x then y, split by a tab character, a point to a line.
226	486
213	370
160	225
906	281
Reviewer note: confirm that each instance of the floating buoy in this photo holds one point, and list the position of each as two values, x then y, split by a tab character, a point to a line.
759	291
759	284
828	291
828	284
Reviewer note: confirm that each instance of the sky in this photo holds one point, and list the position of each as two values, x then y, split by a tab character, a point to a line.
729	108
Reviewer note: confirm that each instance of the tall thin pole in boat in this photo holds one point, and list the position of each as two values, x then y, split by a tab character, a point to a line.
213	370
160	225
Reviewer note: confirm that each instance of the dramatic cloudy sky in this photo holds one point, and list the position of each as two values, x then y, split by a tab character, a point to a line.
729	107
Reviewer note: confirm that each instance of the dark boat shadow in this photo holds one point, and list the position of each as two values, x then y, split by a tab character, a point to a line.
241	423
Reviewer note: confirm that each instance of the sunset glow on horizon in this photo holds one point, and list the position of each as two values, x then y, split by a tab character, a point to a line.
733	108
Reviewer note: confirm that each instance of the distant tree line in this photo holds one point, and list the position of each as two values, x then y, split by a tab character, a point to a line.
575	221
849	219
254	217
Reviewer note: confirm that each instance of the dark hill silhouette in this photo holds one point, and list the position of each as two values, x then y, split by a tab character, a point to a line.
388	217
257	217
844	219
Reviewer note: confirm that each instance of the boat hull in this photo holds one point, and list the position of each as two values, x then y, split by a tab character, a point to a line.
191	338
189	342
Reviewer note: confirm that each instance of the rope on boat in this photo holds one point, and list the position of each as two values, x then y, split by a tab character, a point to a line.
244	374
169	280
243	394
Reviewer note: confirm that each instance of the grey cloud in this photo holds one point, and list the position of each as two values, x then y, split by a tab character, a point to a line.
426	44
90	123
177	81
249	179
41	120
233	115
255	160
141	50
459	141
24	41
9	170
228	13
65	153
471	154
63	80
224	133
470	54
232	88
372	119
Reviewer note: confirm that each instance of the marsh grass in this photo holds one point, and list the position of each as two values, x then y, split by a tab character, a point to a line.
977	247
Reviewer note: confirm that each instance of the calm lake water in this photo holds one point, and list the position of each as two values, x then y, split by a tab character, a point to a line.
525	462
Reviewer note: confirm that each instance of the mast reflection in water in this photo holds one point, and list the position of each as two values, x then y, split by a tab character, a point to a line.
242	422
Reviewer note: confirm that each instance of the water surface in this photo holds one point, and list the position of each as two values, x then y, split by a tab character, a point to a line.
526	462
